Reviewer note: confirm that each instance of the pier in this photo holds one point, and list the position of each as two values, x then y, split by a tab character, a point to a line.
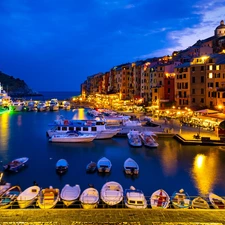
112	217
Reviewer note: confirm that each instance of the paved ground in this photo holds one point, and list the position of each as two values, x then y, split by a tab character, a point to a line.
112	216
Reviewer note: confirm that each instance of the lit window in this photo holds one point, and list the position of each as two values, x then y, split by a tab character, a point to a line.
217	67
210	75
210	67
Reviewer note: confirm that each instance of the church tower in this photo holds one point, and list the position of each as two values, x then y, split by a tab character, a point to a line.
220	30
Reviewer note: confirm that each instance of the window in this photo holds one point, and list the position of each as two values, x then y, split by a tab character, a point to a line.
202	68
78	128
202	79
193	91
217	67
71	128
64	128
184	75
193	79
93	128
210	67
85	128
202	91
209	94
218	94
168	82
210	75
168	90
202	100
155	90
193	100
193	69
217	84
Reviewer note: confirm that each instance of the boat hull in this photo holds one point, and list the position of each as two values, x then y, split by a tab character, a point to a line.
71	140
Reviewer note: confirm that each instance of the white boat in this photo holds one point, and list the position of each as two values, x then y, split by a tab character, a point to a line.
54	104
16	164
5	100
132	123
72	136
61	166
28	196
131	167
135	199
41	106
181	200
199	203
98	128
66	105
148	139
112	193
216	201
104	165
3	185
18	105
70	194
48	198
160	199
89	198
134	138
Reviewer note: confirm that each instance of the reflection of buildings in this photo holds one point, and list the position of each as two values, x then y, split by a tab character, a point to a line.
4	134
169	159
80	115
204	172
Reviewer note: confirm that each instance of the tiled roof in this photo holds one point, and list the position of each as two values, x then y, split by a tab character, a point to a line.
186	64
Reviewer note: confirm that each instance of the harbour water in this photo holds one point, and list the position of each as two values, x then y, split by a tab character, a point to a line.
172	166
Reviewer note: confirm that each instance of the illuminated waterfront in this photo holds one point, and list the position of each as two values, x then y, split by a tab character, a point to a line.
196	169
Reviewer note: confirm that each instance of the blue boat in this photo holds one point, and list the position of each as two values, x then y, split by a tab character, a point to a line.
16	164
61	166
181	200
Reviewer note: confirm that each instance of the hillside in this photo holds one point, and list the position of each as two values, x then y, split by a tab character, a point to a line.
15	86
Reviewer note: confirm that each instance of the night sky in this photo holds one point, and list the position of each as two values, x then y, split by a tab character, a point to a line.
53	45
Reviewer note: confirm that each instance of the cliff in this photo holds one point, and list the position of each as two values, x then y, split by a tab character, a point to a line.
15	86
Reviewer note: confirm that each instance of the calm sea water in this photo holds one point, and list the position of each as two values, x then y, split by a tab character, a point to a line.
172	166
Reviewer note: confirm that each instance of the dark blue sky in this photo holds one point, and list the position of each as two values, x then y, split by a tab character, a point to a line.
53	45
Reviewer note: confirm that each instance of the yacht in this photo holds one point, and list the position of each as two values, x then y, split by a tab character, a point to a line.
5	100
98	128
54	104
41	106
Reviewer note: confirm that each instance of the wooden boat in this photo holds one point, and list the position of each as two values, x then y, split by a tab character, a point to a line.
48	198
135	199
148	139
89	198
72	136
112	193
199	203
181	200
70	194
216	201
104	165
61	166
134	138
91	167
160	199
28	196
9	197
131	167
16	164
3	184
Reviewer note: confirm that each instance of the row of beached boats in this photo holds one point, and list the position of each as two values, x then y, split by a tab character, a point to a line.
111	194
146	138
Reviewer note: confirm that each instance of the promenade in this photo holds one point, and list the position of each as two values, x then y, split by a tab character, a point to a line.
112	217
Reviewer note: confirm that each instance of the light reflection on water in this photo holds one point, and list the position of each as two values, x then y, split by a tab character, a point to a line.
171	166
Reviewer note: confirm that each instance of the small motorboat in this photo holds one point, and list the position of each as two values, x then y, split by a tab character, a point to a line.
89	198
216	201
9	197
160	199
16	164
91	167
61	166
48	198
70	194
104	165
3	184
135	199
134	138
199	203
148	139
112	193
181	200
28	196
131	167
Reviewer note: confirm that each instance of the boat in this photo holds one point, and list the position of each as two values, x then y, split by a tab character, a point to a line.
131	167
104	165
89	198
16	164
41	106
9	197
3	184
181	200
134	138
31	106
61	166
216	201
54	104
148	139
112	193
48	198
66	105
5	100
98	128
91	167
159	199
18	105
70	194
199	203
72	137
28	196
135	199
